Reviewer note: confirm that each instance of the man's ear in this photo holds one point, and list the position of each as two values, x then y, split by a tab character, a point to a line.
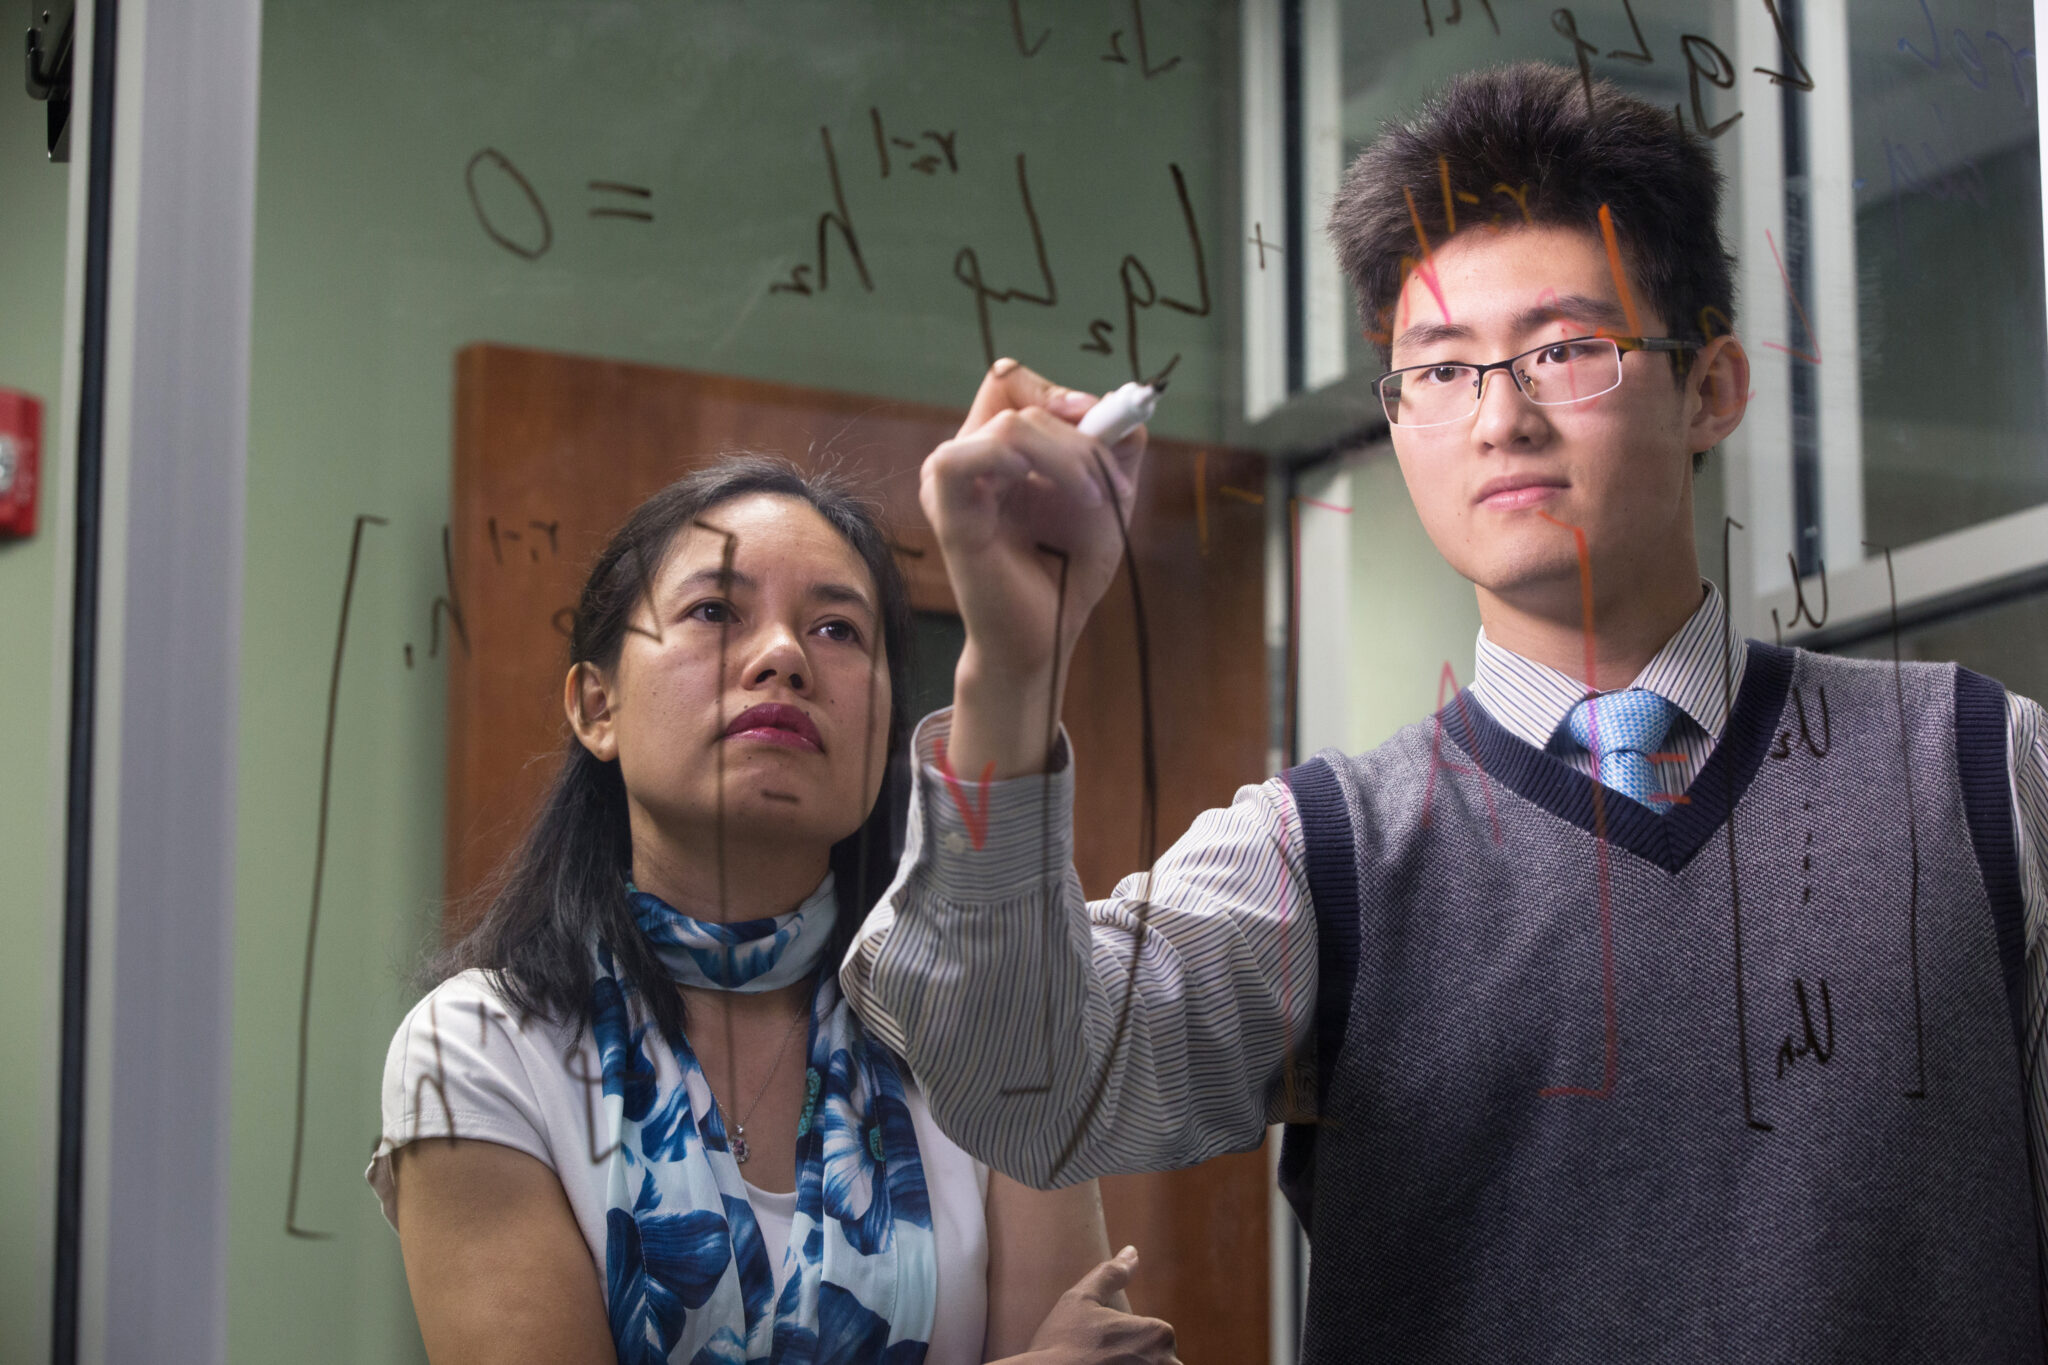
1717	392
586	697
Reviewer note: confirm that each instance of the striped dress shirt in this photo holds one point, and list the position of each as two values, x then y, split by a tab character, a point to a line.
1058	1038
1531	700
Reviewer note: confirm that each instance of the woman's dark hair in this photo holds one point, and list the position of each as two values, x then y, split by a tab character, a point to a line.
567	878
1531	143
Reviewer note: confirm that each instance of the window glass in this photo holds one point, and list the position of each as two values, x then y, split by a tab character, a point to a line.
861	203
1948	250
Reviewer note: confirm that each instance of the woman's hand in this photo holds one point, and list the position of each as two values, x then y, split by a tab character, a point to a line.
1084	1328
1017	482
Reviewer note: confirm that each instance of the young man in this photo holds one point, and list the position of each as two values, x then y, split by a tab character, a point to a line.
1666	996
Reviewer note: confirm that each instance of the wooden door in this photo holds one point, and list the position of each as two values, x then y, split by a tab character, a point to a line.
553	451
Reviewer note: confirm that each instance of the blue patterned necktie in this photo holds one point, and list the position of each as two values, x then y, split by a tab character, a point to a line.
1622	729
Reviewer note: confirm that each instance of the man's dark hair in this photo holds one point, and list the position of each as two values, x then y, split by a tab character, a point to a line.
1522	140
566	882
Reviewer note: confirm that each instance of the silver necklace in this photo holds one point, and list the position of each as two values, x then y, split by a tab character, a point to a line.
738	1142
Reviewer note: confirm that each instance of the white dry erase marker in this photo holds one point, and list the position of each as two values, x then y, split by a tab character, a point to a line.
1119	413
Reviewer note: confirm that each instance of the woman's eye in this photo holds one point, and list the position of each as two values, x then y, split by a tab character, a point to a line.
712	613
844	631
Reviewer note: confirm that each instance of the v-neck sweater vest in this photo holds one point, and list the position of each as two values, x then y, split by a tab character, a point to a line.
1736	1082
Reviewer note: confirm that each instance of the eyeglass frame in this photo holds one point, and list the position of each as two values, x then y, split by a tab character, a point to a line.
1622	346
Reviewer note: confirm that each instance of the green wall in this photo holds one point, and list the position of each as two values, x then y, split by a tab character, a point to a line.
1410	613
372	269
32	212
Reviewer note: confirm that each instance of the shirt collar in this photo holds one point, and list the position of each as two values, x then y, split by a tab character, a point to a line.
1532	700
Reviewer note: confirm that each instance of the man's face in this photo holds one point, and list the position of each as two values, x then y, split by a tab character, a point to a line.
1493	487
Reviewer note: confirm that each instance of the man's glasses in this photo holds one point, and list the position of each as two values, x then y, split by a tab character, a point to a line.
1553	374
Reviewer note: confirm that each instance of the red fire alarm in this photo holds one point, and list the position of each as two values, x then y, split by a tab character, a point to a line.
21	442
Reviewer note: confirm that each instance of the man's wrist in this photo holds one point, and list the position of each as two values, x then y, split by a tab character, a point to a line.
1002	718
988	843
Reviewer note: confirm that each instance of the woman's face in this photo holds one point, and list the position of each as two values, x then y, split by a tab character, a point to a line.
759	683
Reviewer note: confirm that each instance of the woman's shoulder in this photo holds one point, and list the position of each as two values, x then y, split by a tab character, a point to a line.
481	997
466	1062
469	1026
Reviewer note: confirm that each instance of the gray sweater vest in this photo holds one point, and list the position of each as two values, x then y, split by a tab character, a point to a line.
1740	1082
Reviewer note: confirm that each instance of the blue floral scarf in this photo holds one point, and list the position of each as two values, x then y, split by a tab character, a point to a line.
751	955
687	1278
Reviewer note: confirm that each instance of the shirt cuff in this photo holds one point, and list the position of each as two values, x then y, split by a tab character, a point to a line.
983	842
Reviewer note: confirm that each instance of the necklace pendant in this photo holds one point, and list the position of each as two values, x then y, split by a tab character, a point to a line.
740	1151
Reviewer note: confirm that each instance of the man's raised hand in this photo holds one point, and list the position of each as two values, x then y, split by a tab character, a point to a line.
1018	500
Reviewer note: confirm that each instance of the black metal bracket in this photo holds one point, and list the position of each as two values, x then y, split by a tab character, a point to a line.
48	75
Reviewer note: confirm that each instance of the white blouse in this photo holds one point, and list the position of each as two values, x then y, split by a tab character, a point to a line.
462	1065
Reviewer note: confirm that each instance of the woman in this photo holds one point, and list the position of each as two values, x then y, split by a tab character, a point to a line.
639	1060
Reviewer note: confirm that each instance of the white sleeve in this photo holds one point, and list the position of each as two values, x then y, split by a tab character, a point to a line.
458	1067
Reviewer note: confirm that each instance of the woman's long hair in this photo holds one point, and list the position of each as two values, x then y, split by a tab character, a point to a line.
567	879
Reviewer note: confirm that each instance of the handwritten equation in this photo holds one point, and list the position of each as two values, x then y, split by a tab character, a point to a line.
513	214
1137	286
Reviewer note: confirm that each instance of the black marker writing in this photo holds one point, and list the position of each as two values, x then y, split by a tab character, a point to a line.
546	528
438	1079
1803	81
1721	75
838	216
1567	24
967	270
927	162
1258	239
447	604
1457	16
492	158
592	1082
1800	611
1806	859
627	211
1050	876
726	558
1140	293
1026	49
348	592
1919	1090
1790	1052
1148	821
1145	66
1729	525
1641	56
1827	731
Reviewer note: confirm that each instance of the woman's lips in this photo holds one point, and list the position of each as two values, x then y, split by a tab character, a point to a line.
768	734
1512	497
776	723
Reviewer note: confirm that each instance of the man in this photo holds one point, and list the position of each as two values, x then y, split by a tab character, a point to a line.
1666	996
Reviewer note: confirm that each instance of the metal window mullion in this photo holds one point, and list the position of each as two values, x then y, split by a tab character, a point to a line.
150	802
